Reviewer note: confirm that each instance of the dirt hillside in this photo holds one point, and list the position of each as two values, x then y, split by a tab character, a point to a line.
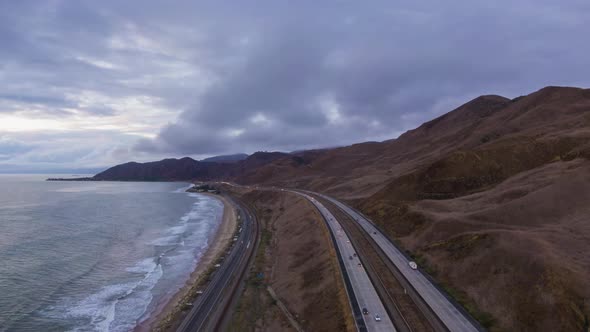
297	261
503	219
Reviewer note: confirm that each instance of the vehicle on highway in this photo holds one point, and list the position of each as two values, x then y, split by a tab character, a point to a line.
413	265
360	264
365	311
350	257
354	254
375	233
377	318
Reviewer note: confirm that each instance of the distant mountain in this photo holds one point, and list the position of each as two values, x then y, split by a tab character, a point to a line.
165	170
230	158
187	169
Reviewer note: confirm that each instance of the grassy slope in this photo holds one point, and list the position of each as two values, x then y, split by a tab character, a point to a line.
296	259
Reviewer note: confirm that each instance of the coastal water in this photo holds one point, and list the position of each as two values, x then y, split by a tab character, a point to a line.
95	256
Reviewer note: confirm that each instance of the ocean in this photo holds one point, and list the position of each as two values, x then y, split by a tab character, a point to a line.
96	256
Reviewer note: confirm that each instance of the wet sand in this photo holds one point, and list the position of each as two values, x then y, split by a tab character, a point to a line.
222	237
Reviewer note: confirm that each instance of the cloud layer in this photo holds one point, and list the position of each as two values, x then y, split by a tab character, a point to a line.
89	83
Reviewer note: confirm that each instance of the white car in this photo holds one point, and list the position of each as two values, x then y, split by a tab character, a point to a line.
413	265
377	318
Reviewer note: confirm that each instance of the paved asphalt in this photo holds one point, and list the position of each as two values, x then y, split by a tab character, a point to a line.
451	317
364	291
209	308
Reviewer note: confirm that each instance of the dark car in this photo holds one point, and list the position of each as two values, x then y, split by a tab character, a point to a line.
365	311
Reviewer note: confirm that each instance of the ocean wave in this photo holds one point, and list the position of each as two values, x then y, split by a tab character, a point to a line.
117	307
120	306
203	210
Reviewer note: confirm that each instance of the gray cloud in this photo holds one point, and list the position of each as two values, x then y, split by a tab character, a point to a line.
201	78
383	69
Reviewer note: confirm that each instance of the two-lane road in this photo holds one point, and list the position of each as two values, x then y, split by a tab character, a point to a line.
209	308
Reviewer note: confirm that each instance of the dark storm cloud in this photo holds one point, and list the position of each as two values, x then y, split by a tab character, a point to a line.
325	76
210	77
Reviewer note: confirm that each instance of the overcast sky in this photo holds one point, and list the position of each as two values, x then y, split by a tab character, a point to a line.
89	84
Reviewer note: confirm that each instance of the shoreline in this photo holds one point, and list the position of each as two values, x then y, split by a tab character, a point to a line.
222	237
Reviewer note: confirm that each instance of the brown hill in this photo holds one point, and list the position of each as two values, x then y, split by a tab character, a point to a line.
164	170
492	198
551	120
187	169
500	216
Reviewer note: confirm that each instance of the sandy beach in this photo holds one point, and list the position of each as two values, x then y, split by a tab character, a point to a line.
220	240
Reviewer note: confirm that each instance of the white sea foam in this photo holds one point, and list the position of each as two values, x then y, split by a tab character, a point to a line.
165	241
119	307
183	189
98	308
199	225
201	210
145	266
130	308
176	230
114	307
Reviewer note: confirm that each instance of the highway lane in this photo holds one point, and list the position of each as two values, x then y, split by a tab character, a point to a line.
364	291
446	311
209	308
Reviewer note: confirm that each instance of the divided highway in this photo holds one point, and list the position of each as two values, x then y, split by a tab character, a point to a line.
363	294
209	308
447	312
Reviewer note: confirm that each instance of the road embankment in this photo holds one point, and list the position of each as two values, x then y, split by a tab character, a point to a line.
296	259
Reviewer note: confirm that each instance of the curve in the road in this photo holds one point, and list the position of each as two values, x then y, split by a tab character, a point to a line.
221	288
362	293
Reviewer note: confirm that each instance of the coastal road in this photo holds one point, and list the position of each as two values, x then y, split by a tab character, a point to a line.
362	293
209	309
452	318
